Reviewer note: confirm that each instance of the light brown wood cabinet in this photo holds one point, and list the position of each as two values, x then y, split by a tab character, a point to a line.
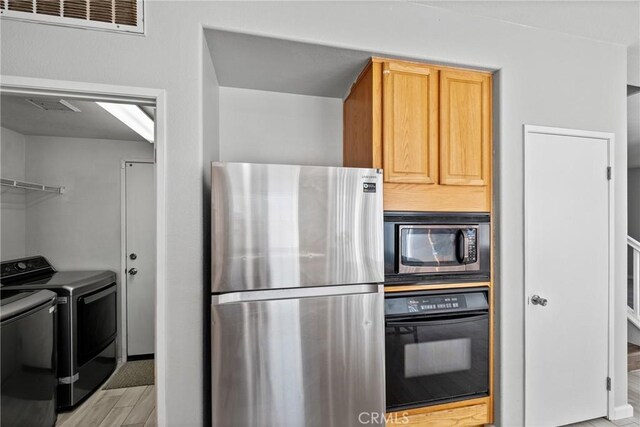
429	128
409	123
465	134
472	413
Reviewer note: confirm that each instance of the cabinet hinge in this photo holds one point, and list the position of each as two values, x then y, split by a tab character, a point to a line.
609	383
609	173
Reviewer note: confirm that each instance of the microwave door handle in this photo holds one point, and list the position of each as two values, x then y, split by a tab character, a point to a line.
462	246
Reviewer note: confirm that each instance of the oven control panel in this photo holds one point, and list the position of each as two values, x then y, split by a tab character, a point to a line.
427	302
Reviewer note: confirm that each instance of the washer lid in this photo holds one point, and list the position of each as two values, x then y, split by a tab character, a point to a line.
14	303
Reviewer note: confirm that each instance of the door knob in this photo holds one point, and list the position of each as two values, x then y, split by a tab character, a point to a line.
134	271
538	300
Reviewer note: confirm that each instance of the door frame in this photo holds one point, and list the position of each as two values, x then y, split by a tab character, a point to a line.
610	139
29	86
123	254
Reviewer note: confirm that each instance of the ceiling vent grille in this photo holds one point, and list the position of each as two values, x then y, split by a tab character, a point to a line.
116	15
48	7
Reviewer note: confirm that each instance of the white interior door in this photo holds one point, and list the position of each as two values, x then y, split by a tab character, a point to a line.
567	257
140	257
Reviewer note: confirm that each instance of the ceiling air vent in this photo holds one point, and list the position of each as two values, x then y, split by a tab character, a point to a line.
48	7
21	5
52	104
115	15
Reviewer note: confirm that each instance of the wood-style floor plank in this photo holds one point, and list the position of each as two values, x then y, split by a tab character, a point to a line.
601	422
143	408
131	396
152	421
625	422
62	417
114	392
94	415
116	416
74	416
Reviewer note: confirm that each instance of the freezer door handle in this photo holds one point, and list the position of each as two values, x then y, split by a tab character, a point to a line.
295	293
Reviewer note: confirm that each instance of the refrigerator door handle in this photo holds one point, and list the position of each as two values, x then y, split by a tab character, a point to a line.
295	293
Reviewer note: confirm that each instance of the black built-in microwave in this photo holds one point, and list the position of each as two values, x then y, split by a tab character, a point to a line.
436	247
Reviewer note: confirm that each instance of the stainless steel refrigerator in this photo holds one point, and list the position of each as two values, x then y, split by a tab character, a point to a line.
297	316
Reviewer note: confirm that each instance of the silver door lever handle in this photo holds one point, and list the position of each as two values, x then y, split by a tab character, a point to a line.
133	271
538	300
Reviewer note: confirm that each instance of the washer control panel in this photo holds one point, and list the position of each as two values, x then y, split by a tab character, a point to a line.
25	266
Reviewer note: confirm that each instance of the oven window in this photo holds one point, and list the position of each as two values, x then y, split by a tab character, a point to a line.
424	247
437	357
96	323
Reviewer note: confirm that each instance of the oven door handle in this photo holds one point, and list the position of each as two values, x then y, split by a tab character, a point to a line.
437	320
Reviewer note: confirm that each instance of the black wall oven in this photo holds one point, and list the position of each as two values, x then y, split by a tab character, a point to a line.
436	247
437	347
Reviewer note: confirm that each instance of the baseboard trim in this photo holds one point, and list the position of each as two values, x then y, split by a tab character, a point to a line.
621	412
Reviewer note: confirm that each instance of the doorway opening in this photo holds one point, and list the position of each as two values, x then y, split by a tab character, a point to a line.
80	140
633	244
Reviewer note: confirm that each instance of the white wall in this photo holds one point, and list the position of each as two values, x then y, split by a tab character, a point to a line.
545	78
633	65
210	152
633	130
634	203
12	201
270	127
80	229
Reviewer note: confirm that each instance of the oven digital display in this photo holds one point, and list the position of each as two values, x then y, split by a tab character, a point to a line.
434	303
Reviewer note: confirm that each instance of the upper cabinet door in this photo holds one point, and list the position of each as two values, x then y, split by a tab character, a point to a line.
465	128
410	123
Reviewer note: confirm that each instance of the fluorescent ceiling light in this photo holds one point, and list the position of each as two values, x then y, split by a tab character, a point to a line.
132	116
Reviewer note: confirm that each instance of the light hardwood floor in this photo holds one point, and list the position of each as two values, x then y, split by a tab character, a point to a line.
134	406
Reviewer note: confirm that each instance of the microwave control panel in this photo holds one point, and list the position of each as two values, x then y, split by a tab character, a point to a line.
472	242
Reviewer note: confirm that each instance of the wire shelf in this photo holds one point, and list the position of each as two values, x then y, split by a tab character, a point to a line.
31	186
